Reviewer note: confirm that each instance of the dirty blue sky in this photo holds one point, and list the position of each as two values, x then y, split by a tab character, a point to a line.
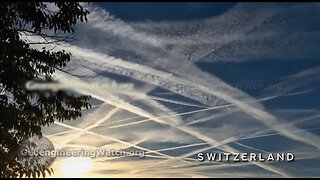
242	74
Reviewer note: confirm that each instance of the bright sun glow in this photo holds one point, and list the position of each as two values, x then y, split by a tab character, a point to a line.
76	167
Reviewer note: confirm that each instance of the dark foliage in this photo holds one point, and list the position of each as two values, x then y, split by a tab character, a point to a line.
23	112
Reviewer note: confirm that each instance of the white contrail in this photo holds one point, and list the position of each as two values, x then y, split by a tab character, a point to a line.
265	117
213	116
112	139
255	135
213	143
259	114
208	118
138	111
74	134
131	118
233	139
272	121
108	100
183	128
186	113
117	140
175	102
96	124
197	94
181	147
101	94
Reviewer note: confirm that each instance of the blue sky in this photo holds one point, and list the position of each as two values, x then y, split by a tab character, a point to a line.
205	77
165	11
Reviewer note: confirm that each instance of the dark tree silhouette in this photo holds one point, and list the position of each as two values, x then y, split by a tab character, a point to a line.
23	112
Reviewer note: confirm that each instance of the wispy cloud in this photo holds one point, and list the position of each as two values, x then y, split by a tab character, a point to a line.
156	56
